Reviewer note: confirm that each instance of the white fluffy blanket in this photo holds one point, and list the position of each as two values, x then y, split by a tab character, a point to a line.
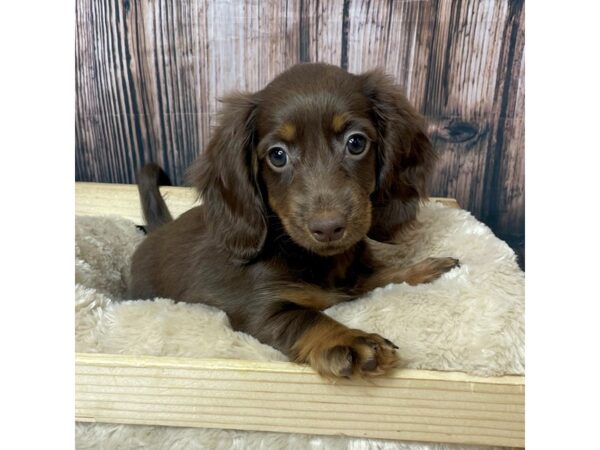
472	320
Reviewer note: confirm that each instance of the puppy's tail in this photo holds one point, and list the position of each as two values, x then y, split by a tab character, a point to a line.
154	207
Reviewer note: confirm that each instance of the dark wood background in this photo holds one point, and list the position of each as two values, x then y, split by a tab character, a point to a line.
149	74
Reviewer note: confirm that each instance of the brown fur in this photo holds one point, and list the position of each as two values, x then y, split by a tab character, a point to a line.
252	250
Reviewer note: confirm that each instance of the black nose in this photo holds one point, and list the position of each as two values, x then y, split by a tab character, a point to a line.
327	227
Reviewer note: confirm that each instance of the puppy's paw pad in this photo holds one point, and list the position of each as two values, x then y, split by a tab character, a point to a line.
366	355
340	361
375	354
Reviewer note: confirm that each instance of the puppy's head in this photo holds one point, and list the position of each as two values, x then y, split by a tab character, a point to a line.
334	156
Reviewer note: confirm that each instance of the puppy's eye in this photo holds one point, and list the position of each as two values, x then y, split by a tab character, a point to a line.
278	157
356	144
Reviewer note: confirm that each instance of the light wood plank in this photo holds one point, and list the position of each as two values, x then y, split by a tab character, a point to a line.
99	199
276	396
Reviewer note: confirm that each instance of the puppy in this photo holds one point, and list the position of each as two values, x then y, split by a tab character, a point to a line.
299	182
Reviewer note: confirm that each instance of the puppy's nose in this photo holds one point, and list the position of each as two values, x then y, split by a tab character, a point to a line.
327	227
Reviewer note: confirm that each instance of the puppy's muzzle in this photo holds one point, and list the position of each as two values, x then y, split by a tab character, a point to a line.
327	227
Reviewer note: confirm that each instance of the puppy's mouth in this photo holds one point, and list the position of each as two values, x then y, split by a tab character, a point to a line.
326	235
332	249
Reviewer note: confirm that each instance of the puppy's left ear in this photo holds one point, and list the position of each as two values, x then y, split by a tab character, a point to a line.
405	157
225	175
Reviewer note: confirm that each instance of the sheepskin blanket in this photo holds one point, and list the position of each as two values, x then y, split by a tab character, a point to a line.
471	320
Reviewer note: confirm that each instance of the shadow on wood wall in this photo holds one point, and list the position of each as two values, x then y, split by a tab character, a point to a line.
149	74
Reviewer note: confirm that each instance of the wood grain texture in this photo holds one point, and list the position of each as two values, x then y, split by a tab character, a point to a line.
149	74
274	396
123	200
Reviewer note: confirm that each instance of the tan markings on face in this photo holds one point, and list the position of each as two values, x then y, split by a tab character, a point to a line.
288	131
273	203
338	122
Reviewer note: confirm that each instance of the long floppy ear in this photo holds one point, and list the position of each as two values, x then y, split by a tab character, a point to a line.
405	156
225	176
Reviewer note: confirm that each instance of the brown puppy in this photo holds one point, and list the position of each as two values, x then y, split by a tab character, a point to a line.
297	181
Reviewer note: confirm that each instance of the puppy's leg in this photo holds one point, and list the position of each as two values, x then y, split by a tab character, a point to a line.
425	271
384	254
295	326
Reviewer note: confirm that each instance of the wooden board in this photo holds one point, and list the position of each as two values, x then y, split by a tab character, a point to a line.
274	396
93	199
99	199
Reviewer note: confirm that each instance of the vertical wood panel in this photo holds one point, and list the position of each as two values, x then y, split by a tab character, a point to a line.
321	31
504	200
171	80
460	94
249	43
395	36
149	74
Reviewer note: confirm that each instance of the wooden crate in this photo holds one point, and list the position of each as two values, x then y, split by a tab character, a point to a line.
406	404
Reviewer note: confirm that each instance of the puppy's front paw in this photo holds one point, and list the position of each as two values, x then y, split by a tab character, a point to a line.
430	269
355	354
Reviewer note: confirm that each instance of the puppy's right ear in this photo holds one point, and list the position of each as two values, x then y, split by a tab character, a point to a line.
405	156
225	175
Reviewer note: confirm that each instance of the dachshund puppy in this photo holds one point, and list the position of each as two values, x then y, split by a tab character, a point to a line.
299	182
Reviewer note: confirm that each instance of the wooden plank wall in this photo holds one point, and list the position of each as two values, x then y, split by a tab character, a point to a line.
149	73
